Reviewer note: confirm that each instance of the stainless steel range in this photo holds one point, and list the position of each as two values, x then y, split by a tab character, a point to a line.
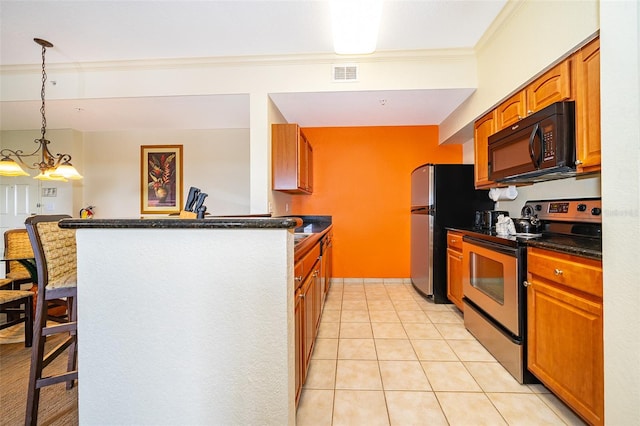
494	271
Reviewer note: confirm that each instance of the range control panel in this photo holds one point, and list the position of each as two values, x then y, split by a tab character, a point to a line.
575	210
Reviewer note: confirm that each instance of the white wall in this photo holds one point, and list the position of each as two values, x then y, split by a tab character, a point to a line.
563	188
254	76
526	38
620	109
197	329
216	161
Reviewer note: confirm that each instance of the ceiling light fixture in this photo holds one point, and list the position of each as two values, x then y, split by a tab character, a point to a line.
355	25
52	167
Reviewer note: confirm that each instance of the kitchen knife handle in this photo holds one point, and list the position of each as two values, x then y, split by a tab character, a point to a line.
191	198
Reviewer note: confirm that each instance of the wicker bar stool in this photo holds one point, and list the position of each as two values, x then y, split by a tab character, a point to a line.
17	246
15	304
55	254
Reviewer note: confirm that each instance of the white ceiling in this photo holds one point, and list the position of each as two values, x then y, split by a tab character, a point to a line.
87	31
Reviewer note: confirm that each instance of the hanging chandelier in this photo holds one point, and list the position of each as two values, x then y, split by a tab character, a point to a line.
52	167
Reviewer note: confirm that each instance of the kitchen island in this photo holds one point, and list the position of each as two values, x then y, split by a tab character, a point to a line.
185	321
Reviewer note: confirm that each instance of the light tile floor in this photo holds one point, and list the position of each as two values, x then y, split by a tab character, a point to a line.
387	356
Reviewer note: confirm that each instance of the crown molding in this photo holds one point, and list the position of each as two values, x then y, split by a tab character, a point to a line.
248	61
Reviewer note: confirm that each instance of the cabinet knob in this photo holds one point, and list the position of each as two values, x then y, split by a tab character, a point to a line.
299	278
529	112
526	283
557	272
453	240
578	162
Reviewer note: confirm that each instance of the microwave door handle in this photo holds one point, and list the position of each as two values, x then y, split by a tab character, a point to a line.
532	153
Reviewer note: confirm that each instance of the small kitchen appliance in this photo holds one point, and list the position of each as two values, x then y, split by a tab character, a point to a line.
494	272
442	195
539	147
487	219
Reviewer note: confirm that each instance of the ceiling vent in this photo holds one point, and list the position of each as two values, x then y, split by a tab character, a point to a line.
342	73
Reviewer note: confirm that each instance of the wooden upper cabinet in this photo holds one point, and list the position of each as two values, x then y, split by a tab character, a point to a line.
587	95
291	160
483	128
553	86
511	111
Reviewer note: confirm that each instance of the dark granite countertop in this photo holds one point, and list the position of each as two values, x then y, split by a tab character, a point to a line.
176	223
579	246
585	247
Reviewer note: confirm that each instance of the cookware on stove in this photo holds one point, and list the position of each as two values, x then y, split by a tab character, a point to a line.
529	222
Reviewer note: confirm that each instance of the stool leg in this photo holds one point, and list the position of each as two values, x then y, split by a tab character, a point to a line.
73	348
35	372
28	322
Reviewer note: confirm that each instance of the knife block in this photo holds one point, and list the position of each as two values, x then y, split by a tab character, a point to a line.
188	215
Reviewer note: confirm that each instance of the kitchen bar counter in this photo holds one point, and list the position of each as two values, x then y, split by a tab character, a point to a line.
186	321
177	223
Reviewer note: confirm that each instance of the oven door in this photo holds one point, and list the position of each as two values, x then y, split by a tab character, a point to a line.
490	280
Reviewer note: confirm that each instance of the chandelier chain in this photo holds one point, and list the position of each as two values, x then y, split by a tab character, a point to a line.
43	130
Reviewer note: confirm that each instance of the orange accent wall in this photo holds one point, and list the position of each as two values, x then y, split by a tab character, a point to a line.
362	178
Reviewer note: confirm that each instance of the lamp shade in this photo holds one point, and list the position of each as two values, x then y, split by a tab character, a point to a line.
8	167
46	175
67	171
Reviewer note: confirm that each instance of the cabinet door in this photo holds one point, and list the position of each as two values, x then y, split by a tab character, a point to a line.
454	277
327	262
309	168
483	128
308	291
317	297
291	159
299	343
565	346
588	107
552	86
511	110
303	162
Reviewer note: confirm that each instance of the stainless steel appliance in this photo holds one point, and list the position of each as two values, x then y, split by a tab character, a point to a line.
494	272
442	195
537	148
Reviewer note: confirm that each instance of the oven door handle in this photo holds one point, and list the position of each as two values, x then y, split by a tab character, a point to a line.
509	251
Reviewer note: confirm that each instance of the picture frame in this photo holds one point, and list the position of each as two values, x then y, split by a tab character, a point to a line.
160	179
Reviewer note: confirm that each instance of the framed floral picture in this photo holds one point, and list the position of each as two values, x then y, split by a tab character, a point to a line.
160	179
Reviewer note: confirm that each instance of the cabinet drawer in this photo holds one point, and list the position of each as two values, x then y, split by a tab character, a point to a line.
454	240
304	266
576	272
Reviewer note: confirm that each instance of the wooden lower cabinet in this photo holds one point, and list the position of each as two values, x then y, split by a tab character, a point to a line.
309	295
454	268
565	323
299	340
309	300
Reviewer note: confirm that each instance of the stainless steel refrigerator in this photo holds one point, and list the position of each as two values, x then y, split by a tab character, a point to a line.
442	195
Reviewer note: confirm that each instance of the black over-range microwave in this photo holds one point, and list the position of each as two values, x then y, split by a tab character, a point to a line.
537	148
